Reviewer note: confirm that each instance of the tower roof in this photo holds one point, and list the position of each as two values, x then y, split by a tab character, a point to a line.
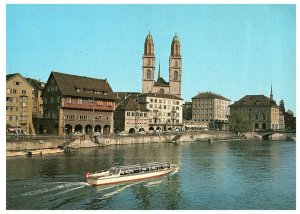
149	37
176	38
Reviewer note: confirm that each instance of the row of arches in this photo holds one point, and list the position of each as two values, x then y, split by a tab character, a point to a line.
88	129
152	129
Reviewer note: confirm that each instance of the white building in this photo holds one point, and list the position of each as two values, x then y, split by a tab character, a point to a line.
165	111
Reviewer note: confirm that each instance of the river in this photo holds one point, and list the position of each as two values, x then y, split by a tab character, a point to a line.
235	175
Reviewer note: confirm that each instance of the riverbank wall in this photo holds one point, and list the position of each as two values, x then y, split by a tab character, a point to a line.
80	142
158	138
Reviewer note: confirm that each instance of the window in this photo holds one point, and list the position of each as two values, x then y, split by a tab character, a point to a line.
23	91
51	99
58	99
17	83
69	100
128	114
176	64
175	75
148	74
90	102
79	101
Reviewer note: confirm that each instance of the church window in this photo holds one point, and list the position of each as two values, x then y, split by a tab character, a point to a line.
175	75
149	62
148	74
176	64
161	91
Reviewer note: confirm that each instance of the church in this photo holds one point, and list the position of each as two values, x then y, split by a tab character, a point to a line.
161	86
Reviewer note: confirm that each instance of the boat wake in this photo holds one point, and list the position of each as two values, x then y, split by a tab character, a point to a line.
153	183
117	191
56	188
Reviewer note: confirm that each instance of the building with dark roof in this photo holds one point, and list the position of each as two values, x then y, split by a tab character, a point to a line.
211	109
261	110
19	104
77	104
129	115
161	86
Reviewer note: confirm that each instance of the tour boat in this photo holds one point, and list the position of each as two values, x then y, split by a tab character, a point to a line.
119	174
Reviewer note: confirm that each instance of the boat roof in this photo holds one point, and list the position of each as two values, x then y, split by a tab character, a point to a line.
140	165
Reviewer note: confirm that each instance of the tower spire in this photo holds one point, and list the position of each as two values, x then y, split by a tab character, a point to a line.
271	94
158	70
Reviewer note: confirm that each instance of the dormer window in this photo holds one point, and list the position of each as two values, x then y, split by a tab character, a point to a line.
77	89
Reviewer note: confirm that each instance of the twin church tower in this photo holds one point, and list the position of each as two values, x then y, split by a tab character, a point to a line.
160	86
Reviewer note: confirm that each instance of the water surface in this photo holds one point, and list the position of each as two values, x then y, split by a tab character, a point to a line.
225	175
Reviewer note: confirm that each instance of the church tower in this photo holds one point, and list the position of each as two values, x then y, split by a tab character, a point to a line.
175	67
148	65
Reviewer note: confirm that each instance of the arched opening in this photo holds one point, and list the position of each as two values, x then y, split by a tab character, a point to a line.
88	129
175	75
106	129
131	130
68	129
97	128
256	126
169	128
263	126
78	128
141	129
148	74
151	128
161	91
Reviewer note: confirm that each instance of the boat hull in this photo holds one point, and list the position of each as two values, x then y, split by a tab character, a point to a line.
128	178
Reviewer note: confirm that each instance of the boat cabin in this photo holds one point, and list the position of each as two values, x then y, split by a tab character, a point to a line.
140	168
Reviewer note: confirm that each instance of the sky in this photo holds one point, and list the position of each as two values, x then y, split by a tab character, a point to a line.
232	50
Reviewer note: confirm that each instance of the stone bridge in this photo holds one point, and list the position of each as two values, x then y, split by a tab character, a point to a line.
267	134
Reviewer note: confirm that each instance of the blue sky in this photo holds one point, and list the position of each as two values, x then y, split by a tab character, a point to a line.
232	50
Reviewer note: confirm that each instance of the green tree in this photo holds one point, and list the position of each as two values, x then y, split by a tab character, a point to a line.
239	122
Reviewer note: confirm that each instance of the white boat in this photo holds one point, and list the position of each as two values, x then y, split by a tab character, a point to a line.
119	174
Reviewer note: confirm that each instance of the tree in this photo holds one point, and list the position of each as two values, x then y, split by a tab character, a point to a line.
281	106
239	122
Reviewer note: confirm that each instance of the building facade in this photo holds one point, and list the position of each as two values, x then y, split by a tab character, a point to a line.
261	110
211	110
37	111
19	103
165	111
130	116
149	85
77	104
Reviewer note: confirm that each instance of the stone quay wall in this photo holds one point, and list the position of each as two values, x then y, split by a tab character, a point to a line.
79	142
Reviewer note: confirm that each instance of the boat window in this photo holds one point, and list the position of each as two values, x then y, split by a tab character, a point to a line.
114	170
